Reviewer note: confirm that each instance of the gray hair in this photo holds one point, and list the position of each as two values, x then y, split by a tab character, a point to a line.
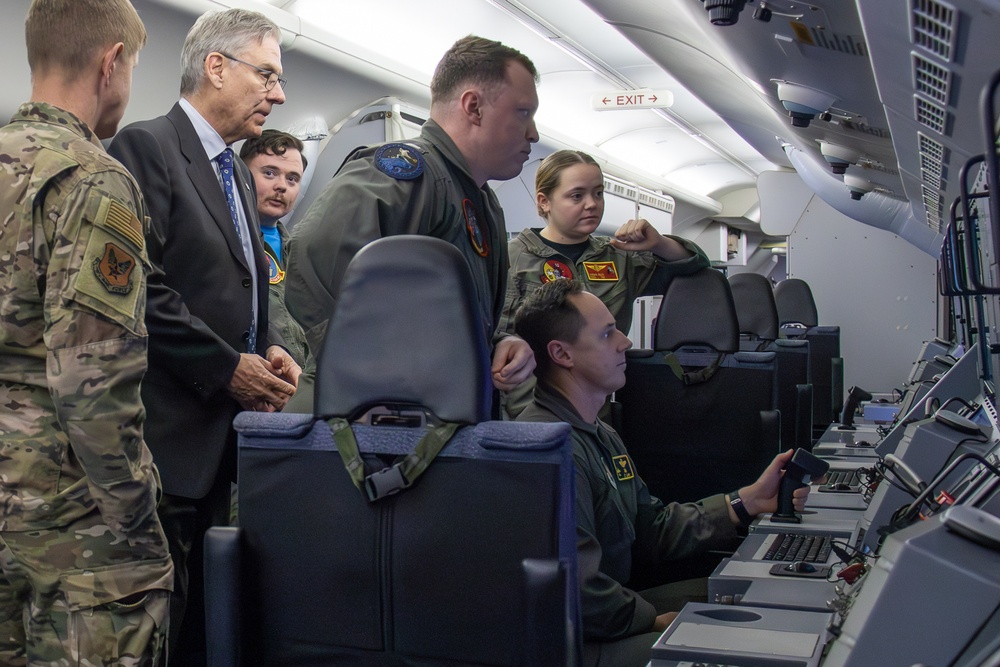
232	31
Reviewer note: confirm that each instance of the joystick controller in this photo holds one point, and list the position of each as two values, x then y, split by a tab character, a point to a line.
803	467
854	397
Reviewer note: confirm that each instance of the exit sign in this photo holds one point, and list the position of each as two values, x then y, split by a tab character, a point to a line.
632	99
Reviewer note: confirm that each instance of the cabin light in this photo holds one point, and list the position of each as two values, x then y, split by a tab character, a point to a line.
857	186
839	157
724	12
802	102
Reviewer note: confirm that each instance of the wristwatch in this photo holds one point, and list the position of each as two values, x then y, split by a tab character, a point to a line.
741	511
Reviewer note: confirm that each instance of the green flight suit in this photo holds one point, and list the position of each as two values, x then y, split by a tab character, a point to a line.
616	276
277	313
364	202
634	274
617	519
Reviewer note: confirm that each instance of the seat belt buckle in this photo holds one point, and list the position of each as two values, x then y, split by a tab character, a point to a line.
384	483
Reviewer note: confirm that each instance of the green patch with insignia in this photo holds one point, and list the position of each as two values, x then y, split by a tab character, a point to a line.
112	269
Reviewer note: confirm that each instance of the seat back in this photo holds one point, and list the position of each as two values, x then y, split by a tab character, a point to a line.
472	564
799	318
757	314
433	575
794	301
713	426
405	333
698	310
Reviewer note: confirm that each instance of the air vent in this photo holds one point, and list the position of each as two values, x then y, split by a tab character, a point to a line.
934	27
990	408
932	159
932	206
644	196
930	171
660	202
624	190
930	114
930	147
931	79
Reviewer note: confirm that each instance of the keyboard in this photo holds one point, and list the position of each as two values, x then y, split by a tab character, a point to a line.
799	547
848	477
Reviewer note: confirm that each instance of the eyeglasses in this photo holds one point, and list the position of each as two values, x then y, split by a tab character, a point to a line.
270	78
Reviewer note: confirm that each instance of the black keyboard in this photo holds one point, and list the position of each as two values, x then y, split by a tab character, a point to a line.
848	477
799	547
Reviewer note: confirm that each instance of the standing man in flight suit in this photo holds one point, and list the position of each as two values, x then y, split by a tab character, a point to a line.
481	127
211	353
85	573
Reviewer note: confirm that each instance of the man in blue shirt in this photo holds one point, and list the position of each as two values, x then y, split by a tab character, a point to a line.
276	161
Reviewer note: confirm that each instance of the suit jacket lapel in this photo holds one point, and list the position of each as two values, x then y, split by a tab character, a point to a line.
205	181
243	183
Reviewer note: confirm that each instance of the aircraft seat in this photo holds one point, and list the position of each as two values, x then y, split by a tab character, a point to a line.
697	415
467	557
799	318
757	316
756	312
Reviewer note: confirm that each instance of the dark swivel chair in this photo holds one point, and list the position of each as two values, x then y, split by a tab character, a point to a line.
471	562
697	415
798	318
758	321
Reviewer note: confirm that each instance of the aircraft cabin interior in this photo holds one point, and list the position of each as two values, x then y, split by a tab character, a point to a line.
837	160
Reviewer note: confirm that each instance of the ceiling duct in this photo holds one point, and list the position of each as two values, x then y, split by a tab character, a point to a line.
875	209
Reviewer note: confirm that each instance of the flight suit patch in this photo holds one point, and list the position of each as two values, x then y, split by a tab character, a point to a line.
402	162
476	237
623	468
114	269
274	273
553	269
601	271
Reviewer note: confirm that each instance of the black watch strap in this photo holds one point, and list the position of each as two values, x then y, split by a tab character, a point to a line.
739	508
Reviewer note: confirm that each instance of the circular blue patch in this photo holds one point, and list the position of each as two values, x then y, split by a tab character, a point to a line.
401	161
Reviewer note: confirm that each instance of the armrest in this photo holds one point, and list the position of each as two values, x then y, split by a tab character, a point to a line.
550	635
223	596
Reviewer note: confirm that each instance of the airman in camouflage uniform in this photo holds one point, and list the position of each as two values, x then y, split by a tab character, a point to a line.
85	573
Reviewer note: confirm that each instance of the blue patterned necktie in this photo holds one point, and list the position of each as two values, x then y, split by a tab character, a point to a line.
225	160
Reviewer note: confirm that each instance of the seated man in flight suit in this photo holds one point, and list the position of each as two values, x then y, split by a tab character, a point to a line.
580	357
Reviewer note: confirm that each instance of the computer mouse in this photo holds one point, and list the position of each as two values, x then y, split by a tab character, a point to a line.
842	487
801	566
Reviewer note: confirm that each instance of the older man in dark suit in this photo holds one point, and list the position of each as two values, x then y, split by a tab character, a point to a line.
210	351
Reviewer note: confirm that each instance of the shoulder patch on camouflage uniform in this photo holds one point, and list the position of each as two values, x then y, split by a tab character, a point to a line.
113	262
401	161
114	269
120	218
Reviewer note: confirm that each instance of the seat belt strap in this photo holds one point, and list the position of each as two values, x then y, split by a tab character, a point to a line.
397	477
692	377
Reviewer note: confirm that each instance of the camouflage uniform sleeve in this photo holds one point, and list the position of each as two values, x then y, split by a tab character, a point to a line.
96	345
